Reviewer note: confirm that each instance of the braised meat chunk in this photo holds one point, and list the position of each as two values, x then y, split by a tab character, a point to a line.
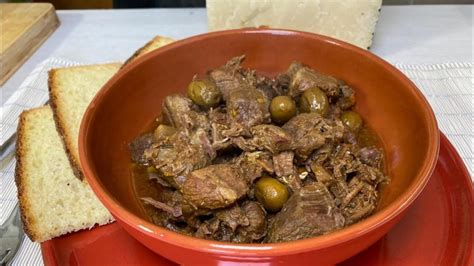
214	187
179	112
305	78
265	137
247	158
311	131
229	77
138	146
308	212
246	107
179	154
252	165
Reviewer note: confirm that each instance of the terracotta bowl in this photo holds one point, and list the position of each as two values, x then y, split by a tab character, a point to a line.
388	101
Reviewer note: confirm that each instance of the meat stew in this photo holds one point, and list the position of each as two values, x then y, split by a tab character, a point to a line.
246	158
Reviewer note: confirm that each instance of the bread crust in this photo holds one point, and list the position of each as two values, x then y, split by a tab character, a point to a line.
61	126
143	49
24	205
26	178
55	103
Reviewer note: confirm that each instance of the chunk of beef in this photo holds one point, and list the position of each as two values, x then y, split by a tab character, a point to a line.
229	76
200	138
235	224
181	115
310	131
371	156
173	207
219	124
322	154
252	164
337	186
342	166
246	107
265	137
309	212
321	174
223	225
178	155
360	202
343	161
350	137
257	223
371	175
283	163
269	87
347	98
213	229
282	81
286	171
305	78
138	146
233	217
215	186
174	211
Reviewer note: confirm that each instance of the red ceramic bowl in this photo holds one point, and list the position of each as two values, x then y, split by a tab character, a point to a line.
389	102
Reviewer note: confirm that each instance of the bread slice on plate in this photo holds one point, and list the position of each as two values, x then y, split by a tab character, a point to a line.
155	43
72	89
52	200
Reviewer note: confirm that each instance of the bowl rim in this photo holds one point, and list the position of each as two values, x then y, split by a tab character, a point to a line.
376	220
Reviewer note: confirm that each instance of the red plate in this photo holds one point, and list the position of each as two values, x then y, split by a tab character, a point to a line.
437	230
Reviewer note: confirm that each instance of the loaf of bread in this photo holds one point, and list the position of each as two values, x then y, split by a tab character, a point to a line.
71	90
352	21
52	200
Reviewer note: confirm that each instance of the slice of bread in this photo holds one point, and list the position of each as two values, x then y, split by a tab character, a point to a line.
52	200
72	89
155	43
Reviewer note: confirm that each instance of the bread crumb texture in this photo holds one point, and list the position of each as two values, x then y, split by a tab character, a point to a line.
72	89
52	200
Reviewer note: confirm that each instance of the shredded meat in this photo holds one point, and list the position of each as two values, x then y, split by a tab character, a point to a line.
265	137
310	131
216	170
309	212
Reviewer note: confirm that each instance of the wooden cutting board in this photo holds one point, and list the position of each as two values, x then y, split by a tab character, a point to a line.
23	28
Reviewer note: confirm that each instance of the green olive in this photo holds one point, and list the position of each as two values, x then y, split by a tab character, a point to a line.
314	100
282	109
271	193
352	120
151	170
204	93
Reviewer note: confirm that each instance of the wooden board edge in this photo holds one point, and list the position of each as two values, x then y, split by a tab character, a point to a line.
54	22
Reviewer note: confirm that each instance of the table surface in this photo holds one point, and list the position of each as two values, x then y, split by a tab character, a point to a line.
404	34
